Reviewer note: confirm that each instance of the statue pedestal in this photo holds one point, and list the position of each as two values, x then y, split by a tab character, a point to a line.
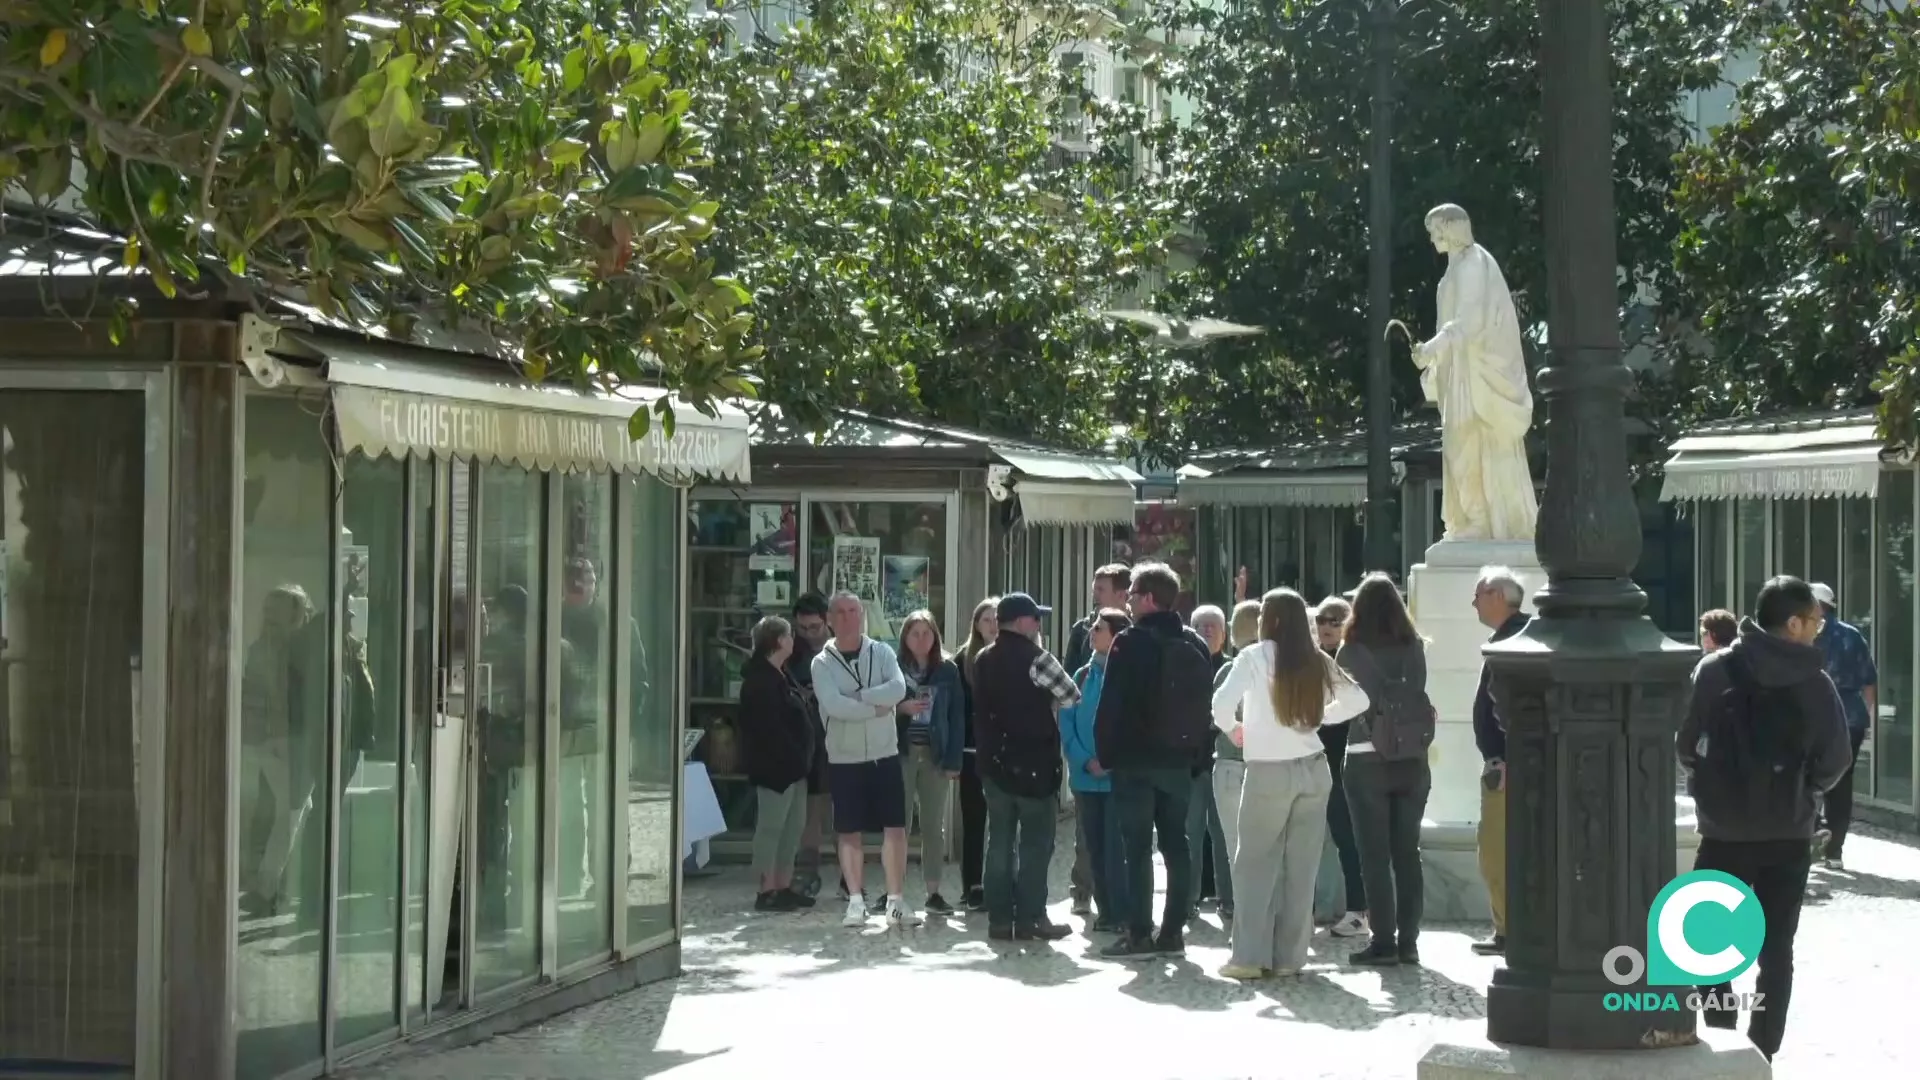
1719	1055
1440	597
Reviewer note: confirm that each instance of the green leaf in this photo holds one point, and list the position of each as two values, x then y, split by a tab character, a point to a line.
567	153
573	70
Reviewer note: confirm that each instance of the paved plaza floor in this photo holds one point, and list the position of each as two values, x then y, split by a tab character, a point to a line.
799	996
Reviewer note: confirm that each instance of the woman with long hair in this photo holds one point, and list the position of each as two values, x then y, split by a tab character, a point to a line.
777	745
1272	703
932	735
1386	776
982	630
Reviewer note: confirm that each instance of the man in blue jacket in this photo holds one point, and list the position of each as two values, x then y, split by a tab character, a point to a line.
1850	666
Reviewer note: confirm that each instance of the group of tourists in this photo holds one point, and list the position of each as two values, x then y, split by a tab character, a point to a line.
1248	740
1243	741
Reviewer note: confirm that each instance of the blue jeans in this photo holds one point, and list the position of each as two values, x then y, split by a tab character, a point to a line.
1101	827
1019	847
1148	801
1203	828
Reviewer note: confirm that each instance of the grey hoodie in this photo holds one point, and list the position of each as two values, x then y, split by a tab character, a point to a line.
1778	663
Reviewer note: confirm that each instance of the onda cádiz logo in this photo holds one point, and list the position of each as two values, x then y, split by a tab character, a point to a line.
1704	929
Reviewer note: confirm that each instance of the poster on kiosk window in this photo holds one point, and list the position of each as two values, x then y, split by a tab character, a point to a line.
856	570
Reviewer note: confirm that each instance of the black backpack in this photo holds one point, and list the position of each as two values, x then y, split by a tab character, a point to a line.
1400	720
1753	749
1184	712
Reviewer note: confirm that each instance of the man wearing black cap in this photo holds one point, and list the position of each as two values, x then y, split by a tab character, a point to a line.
1850	665
1018	687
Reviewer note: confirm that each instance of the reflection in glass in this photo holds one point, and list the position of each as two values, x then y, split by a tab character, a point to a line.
372	649
1711	523
586	696
1749	552
426	687
508	680
1823	541
72	476
893	555
286	572
1856	562
1893	641
1790	538
654	762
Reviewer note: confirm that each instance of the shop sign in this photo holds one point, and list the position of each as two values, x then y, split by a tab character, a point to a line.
377	422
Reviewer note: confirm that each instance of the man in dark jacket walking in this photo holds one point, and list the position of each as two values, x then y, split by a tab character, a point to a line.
1140	735
1771	690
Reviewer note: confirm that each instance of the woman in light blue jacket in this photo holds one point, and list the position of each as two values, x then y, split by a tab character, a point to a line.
1092	786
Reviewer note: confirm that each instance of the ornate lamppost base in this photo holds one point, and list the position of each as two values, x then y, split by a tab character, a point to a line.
1717	1055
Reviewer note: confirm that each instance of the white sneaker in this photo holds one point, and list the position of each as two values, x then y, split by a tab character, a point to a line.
1352	924
902	917
856	912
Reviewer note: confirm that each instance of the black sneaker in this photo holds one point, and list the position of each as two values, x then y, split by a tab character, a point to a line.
1410	955
1129	948
799	900
974	899
771	900
1376	956
1170	945
1107	925
1493	946
1000	931
937	905
808	886
1041	931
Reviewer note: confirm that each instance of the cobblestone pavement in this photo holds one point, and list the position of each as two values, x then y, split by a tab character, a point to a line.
797	995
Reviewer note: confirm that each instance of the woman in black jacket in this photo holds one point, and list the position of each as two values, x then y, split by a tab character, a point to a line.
777	745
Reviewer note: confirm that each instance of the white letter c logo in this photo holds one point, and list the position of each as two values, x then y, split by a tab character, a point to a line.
1673	933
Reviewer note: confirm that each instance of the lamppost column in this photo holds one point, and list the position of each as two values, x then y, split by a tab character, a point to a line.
1380	501
1591	692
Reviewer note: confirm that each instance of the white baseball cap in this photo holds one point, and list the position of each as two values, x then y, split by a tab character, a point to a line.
1824	593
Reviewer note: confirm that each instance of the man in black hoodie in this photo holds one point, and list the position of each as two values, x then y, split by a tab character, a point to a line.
1767	700
1153	731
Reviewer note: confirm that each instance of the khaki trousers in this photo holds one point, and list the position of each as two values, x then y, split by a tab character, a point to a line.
1493	854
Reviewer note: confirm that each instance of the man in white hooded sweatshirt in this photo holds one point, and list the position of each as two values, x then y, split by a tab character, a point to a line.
858	684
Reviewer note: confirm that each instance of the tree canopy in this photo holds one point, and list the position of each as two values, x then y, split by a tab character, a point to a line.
1273	173
530	166
1797	256
862	208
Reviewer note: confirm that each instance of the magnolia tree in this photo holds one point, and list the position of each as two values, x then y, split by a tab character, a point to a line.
529	166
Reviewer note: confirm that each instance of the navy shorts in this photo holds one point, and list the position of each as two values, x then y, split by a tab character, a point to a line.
868	796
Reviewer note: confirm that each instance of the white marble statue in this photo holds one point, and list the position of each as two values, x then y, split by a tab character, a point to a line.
1474	370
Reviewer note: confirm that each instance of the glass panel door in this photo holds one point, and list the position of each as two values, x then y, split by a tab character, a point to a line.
72	530
371	618
509	576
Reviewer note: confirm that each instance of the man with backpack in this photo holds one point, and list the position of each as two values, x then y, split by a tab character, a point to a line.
1153	732
1764	737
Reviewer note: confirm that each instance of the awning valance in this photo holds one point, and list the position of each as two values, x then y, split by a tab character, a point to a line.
1822	464
1063	502
1347	487
389	402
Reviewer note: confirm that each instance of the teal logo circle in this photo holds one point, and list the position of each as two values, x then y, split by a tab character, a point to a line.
1704	927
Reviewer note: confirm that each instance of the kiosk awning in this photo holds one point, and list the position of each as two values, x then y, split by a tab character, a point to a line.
1833	462
1346	487
1060	502
392	401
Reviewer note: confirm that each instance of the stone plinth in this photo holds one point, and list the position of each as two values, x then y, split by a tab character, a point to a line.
1440	596
1719	1055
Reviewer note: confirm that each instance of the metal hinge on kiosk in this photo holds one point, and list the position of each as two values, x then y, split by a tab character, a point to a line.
258	338
998	486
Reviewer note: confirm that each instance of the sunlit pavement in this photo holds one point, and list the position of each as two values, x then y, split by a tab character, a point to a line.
787	995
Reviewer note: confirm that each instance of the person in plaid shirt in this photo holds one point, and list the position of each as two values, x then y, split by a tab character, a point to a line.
1018	686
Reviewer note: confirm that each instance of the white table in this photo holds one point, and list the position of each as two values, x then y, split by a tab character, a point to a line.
703	820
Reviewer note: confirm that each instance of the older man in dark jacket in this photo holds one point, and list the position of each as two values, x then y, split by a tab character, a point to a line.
1764	737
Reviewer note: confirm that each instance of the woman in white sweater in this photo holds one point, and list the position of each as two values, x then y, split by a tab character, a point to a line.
1282	690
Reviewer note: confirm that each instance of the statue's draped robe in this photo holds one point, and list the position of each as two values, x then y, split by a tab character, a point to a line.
1475	371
